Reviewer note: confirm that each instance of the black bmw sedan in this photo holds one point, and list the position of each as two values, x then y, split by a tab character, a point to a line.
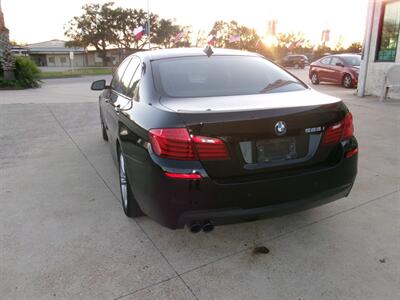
201	141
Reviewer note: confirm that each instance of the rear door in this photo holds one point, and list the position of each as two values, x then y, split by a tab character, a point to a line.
324	72
111	99
121	94
337	70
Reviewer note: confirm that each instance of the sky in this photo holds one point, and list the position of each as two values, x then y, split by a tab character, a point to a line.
33	21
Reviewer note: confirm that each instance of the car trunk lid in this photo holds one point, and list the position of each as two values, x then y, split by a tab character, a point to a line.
248	125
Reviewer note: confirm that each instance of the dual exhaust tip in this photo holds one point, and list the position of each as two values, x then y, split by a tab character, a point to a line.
206	226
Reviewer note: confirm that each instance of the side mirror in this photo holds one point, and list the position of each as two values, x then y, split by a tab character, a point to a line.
339	64
98	85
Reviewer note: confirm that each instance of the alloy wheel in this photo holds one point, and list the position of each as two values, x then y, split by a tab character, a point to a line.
123	181
347	81
314	78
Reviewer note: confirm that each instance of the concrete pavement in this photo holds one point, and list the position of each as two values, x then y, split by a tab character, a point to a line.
63	233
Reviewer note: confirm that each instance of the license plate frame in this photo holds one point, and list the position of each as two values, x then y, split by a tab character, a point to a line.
276	150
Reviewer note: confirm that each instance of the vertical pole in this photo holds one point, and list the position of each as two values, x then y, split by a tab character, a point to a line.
148	22
362	78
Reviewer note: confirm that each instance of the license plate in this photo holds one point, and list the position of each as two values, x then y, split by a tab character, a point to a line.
277	149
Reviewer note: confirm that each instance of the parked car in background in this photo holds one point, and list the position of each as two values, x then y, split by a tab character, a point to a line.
295	61
340	69
201	141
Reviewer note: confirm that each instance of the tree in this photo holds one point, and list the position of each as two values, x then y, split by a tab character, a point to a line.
7	63
166	32
222	30
126	22
355	48
95	27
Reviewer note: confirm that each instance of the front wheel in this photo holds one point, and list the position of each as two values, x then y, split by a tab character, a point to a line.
129	204
347	81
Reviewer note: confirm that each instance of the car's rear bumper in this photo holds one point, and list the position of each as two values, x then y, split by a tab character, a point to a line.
237	214
177	202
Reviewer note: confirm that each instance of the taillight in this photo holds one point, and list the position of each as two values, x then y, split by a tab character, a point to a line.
210	148
340	131
172	143
176	143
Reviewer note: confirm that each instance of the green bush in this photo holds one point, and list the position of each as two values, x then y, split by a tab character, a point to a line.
9	84
27	74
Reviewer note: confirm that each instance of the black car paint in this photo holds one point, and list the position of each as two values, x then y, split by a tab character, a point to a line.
227	192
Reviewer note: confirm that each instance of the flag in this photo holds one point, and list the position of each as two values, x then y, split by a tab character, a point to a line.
211	40
234	38
138	33
178	37
299	42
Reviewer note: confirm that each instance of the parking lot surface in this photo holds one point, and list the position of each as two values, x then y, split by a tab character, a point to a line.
63	233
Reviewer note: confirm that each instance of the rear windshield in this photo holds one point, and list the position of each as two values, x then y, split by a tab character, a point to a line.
221	76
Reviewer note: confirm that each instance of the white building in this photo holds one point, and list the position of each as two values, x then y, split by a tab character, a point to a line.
54	53
381	46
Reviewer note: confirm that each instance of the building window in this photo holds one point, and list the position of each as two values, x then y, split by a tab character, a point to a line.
52	60
63	59
389	32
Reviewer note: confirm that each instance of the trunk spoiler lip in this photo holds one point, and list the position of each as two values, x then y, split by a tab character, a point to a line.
291	98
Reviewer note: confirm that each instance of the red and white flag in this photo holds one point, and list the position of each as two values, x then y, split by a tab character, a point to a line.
211	40
234	38
178	37
138	33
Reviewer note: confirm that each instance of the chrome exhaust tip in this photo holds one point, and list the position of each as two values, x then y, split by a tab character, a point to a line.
208	226
195	227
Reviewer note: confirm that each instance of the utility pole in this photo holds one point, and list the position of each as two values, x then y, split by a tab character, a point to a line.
148	22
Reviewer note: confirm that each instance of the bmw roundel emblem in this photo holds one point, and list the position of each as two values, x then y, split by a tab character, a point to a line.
280	128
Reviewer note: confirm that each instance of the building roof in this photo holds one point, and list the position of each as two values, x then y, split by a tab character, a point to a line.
53	46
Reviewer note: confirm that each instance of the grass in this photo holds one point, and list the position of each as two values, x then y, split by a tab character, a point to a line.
76	73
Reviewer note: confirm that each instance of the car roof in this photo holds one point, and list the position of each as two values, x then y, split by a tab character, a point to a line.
346	54
184	52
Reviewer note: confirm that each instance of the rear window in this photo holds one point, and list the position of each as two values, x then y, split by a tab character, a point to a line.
221	76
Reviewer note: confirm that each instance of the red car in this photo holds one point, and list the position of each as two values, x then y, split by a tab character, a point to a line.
340	69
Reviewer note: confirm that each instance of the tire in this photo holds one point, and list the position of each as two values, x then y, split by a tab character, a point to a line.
314	78
128	201
347	81
103	130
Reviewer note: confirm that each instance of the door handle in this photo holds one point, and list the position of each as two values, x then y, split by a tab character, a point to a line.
107	101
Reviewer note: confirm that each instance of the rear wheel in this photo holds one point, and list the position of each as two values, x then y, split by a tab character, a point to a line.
347	81
129	204
103	130
314	78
